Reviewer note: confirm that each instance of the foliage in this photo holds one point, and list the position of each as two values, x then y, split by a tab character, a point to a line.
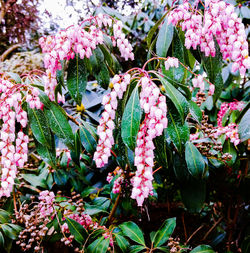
171	140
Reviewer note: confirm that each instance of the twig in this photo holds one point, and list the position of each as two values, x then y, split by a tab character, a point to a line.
14	200
114	208
212	228
191	236
73	119
8	51
184	226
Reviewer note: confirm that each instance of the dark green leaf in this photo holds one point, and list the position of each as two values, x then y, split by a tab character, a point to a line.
9	232
1	240
122	242
195	111
164	39
131	120
59	124
99	245
39	126
75	154
244	127
203	249
4	216
131	230
176	97
163	234
88	137
77	230
136	248
77	79
194	160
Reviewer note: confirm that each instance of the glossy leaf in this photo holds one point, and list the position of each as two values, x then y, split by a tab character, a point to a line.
75	154
176	97
59	124
88	136
39	126
195	111
99	245
77	79
48	154
77	230
194	160
4	216
163	234
244	126
229	148
1	240
203	249
164	39
131	230
131	120
136	248
122	242
8	231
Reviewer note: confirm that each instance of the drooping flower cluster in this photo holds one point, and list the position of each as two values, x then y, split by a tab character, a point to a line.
220	22
171	62
81	40
198	82
118	181
46	203
84	219
231	131
154	105
106	124
14	147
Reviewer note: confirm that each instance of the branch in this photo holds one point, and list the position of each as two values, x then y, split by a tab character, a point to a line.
8	51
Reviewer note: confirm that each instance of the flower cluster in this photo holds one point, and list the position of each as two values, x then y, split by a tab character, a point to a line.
228	106
79	40
106	124
14	147
198	82
154	105
46	203
171	62
231	131
220	22
84	219
118	181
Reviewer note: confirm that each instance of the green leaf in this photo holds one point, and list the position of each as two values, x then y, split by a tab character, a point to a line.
77	230
164	39
8	231
99	245
14	77
163	234
103	77
164	249
77	79
195	111
1	240
131	120
177	131
4	216
39	126
228	147
59	124
75	154
203	249
244	127
154	28
122	242
48	154
131	230
213	67
88	136
176	97
136	248
194	159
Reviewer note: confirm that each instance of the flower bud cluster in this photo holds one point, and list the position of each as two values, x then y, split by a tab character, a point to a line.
154	105
78	40
107	235
171	62
220	22
46	203
106	124
14	147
